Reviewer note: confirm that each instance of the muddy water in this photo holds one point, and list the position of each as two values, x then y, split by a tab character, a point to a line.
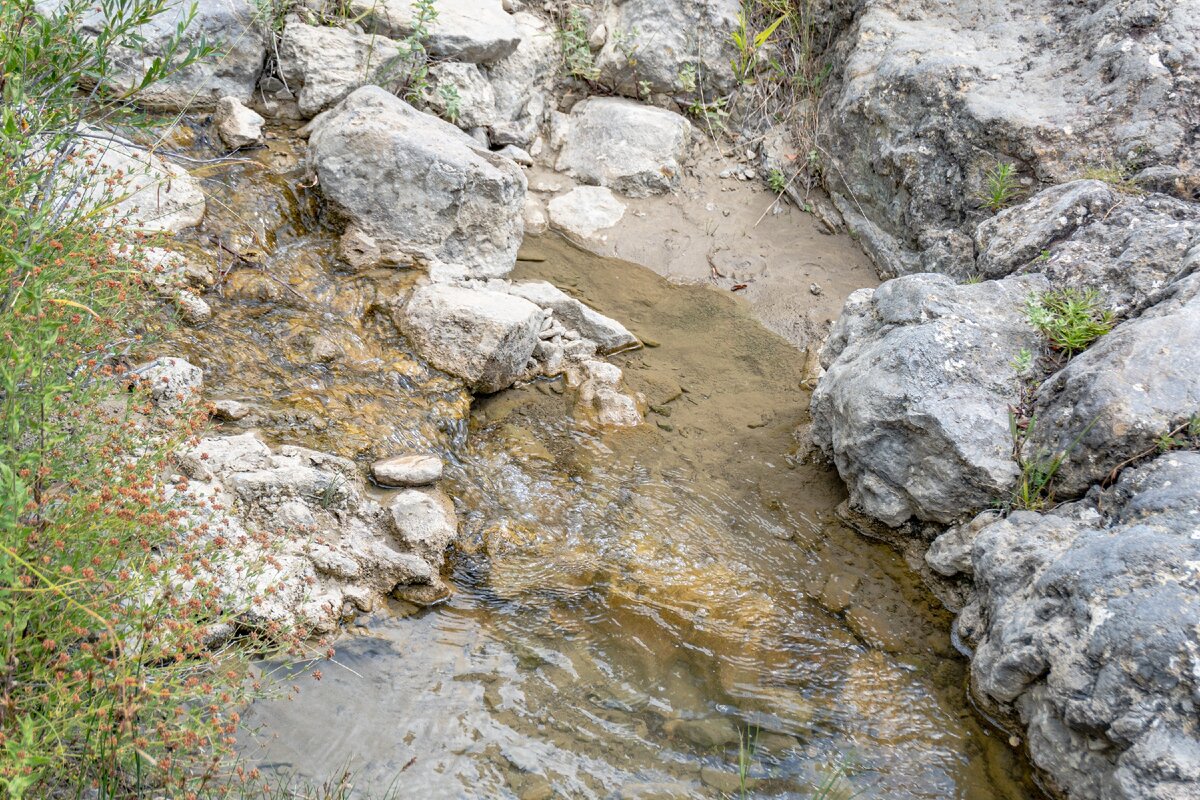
635	611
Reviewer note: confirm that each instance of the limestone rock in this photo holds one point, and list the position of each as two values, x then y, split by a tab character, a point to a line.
484	337
913	406
237	125
534	216
522	78
927	96
585	211
474	99
424	520
417	185
1084	623
152	194
334	552
1114	400
476	31
599	397
609	335
631	148
173	382
410	470
662	42
229	25
321	64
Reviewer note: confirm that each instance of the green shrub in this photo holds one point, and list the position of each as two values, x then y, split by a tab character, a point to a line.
1000	186
107	686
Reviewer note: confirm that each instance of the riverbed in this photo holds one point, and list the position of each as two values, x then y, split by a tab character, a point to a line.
666	611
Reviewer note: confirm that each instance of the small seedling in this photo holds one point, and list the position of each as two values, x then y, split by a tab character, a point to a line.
777	181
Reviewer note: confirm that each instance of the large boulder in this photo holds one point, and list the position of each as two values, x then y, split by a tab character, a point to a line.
418	185
233	27
632	148
486	338
914	404
1084	623
660	43
929	95
478	31
1114	401
322	64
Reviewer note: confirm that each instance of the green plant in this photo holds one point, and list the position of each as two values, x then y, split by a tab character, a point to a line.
749	44
578	60
451	101
747	745
973	279
1000	187
1023	362
777	181
409	70
108	686
1035	484
1118	176
1070	319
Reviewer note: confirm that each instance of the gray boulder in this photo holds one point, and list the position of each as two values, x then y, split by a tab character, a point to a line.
477	31
460	93
913	404
631	148
322	64
522	79
486	338
661	42
417	185
1084	624
1113	401
929	95
232	26
173	383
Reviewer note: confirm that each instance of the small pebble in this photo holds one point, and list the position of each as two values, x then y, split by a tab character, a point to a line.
815	289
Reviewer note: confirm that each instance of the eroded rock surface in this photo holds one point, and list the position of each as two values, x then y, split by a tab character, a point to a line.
313	549
417	185
1085	622
913	407
931	94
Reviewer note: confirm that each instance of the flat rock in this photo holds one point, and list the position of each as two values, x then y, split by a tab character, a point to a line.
418	185
410	470
631	148
608	334
585	211
484	337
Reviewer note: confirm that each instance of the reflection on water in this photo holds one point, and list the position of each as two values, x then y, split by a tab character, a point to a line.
635	611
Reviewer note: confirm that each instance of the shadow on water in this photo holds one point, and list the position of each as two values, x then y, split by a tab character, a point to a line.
636	611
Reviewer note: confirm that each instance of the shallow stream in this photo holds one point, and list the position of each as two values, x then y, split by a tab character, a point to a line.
635	612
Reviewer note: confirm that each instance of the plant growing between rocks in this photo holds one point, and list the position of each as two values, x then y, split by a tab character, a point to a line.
1000	187
1070	319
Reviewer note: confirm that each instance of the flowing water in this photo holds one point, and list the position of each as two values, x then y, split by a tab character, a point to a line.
637	612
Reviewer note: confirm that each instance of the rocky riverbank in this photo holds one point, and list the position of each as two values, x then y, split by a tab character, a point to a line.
991	161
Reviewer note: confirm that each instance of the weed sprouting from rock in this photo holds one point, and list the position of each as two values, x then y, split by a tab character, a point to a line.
1070	319
1000	187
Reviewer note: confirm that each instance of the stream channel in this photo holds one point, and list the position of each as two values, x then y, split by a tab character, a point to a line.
634	610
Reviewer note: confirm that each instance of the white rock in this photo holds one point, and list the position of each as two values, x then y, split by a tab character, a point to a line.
478	31
411	470
484	337
172	382
425	522
237	125
585	211
608	334
473	96
634	149
321	65
599	399
535	217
